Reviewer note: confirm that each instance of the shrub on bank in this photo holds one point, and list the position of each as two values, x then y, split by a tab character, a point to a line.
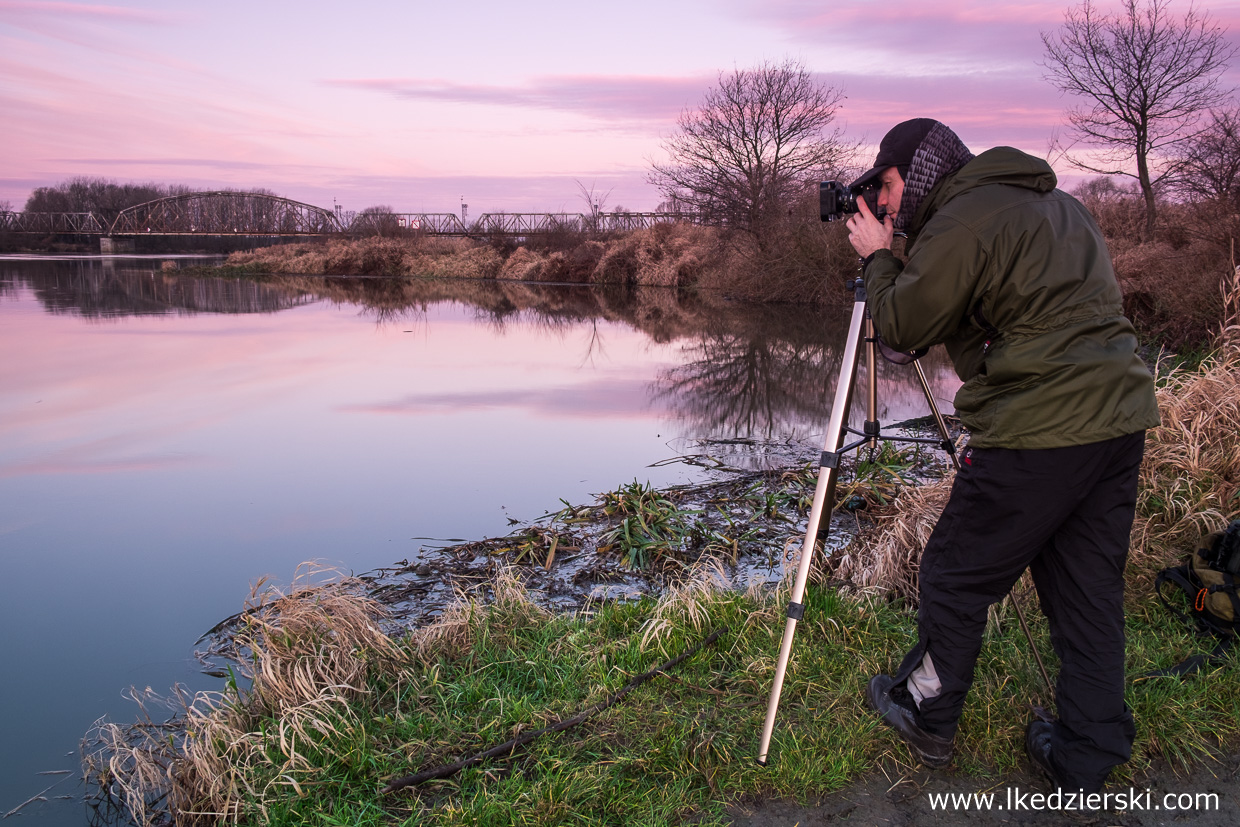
1173	281
666	255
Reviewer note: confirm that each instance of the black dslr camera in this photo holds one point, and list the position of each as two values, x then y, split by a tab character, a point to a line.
835	200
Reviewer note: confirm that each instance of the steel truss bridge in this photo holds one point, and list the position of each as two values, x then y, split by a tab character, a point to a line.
254	214
51	223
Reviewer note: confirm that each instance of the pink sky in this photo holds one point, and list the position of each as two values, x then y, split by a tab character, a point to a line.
416	104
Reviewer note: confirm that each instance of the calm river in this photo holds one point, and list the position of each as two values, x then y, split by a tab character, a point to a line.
165	441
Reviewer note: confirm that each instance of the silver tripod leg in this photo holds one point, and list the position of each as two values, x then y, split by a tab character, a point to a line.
824	497
824	494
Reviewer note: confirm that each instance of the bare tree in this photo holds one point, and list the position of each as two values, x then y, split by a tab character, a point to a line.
104	197
1146	78
741	157
1209	164
378	220
596	202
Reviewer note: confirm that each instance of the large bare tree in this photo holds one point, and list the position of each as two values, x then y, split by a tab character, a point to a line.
1146	77
741	157
1209	162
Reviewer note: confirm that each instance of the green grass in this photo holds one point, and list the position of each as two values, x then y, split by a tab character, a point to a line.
683	745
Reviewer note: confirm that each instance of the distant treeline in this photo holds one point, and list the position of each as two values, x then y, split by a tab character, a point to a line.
104	197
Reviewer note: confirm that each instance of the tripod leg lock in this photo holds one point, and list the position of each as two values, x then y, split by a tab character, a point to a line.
796	611
830	459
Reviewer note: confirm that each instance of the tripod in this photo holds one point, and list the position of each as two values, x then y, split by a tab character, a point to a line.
860	335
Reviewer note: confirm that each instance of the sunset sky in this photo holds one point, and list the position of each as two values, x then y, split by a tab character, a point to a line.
417	104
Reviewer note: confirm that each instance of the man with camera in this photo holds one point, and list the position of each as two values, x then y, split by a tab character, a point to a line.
1014	277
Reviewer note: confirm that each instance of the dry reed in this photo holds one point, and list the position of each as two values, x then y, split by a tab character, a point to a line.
309	655
884	560
1190	479
684	605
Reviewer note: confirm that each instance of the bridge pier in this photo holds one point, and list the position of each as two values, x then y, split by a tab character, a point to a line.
111	245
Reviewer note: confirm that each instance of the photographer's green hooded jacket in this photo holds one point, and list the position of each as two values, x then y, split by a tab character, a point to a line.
1014	277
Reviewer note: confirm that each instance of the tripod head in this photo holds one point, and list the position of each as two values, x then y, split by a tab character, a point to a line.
856	286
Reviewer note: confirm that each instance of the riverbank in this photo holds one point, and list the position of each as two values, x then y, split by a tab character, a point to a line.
673	255
337	710
1175	284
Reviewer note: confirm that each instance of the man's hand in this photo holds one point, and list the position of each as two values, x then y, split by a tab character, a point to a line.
866	233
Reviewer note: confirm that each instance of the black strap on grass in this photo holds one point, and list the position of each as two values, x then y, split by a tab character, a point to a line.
520	741
1192	664
1181	576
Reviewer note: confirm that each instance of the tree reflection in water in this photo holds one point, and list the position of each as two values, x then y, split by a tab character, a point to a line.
749	371
776	374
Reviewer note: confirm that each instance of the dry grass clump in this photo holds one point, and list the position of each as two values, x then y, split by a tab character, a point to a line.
574	265
1190	479
284	258
377	256
523	264
1171	292
1229	330
884	560
665	255
686	604
473	262
309	655
456	630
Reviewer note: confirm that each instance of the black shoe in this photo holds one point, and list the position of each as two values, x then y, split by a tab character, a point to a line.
930	749
1038	745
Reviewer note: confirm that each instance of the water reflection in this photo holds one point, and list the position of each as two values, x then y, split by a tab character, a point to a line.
778	370
94	287
748	371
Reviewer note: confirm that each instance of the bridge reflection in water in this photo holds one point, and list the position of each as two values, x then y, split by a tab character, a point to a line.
105	287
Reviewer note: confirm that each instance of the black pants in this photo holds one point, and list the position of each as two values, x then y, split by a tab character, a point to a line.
1065	514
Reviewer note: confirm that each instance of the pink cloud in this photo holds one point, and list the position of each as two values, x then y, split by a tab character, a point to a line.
79	12
614	98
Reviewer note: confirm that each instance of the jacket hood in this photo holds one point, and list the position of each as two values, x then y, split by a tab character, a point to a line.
938	153
1001	165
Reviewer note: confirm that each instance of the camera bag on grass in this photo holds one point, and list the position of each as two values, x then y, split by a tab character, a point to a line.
1209	581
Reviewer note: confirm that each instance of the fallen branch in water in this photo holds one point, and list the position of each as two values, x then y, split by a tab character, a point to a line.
42	796
521	740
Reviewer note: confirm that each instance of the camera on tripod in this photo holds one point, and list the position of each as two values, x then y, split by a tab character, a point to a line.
836	200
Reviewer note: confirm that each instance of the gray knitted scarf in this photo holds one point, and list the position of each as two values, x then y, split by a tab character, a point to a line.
938	155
